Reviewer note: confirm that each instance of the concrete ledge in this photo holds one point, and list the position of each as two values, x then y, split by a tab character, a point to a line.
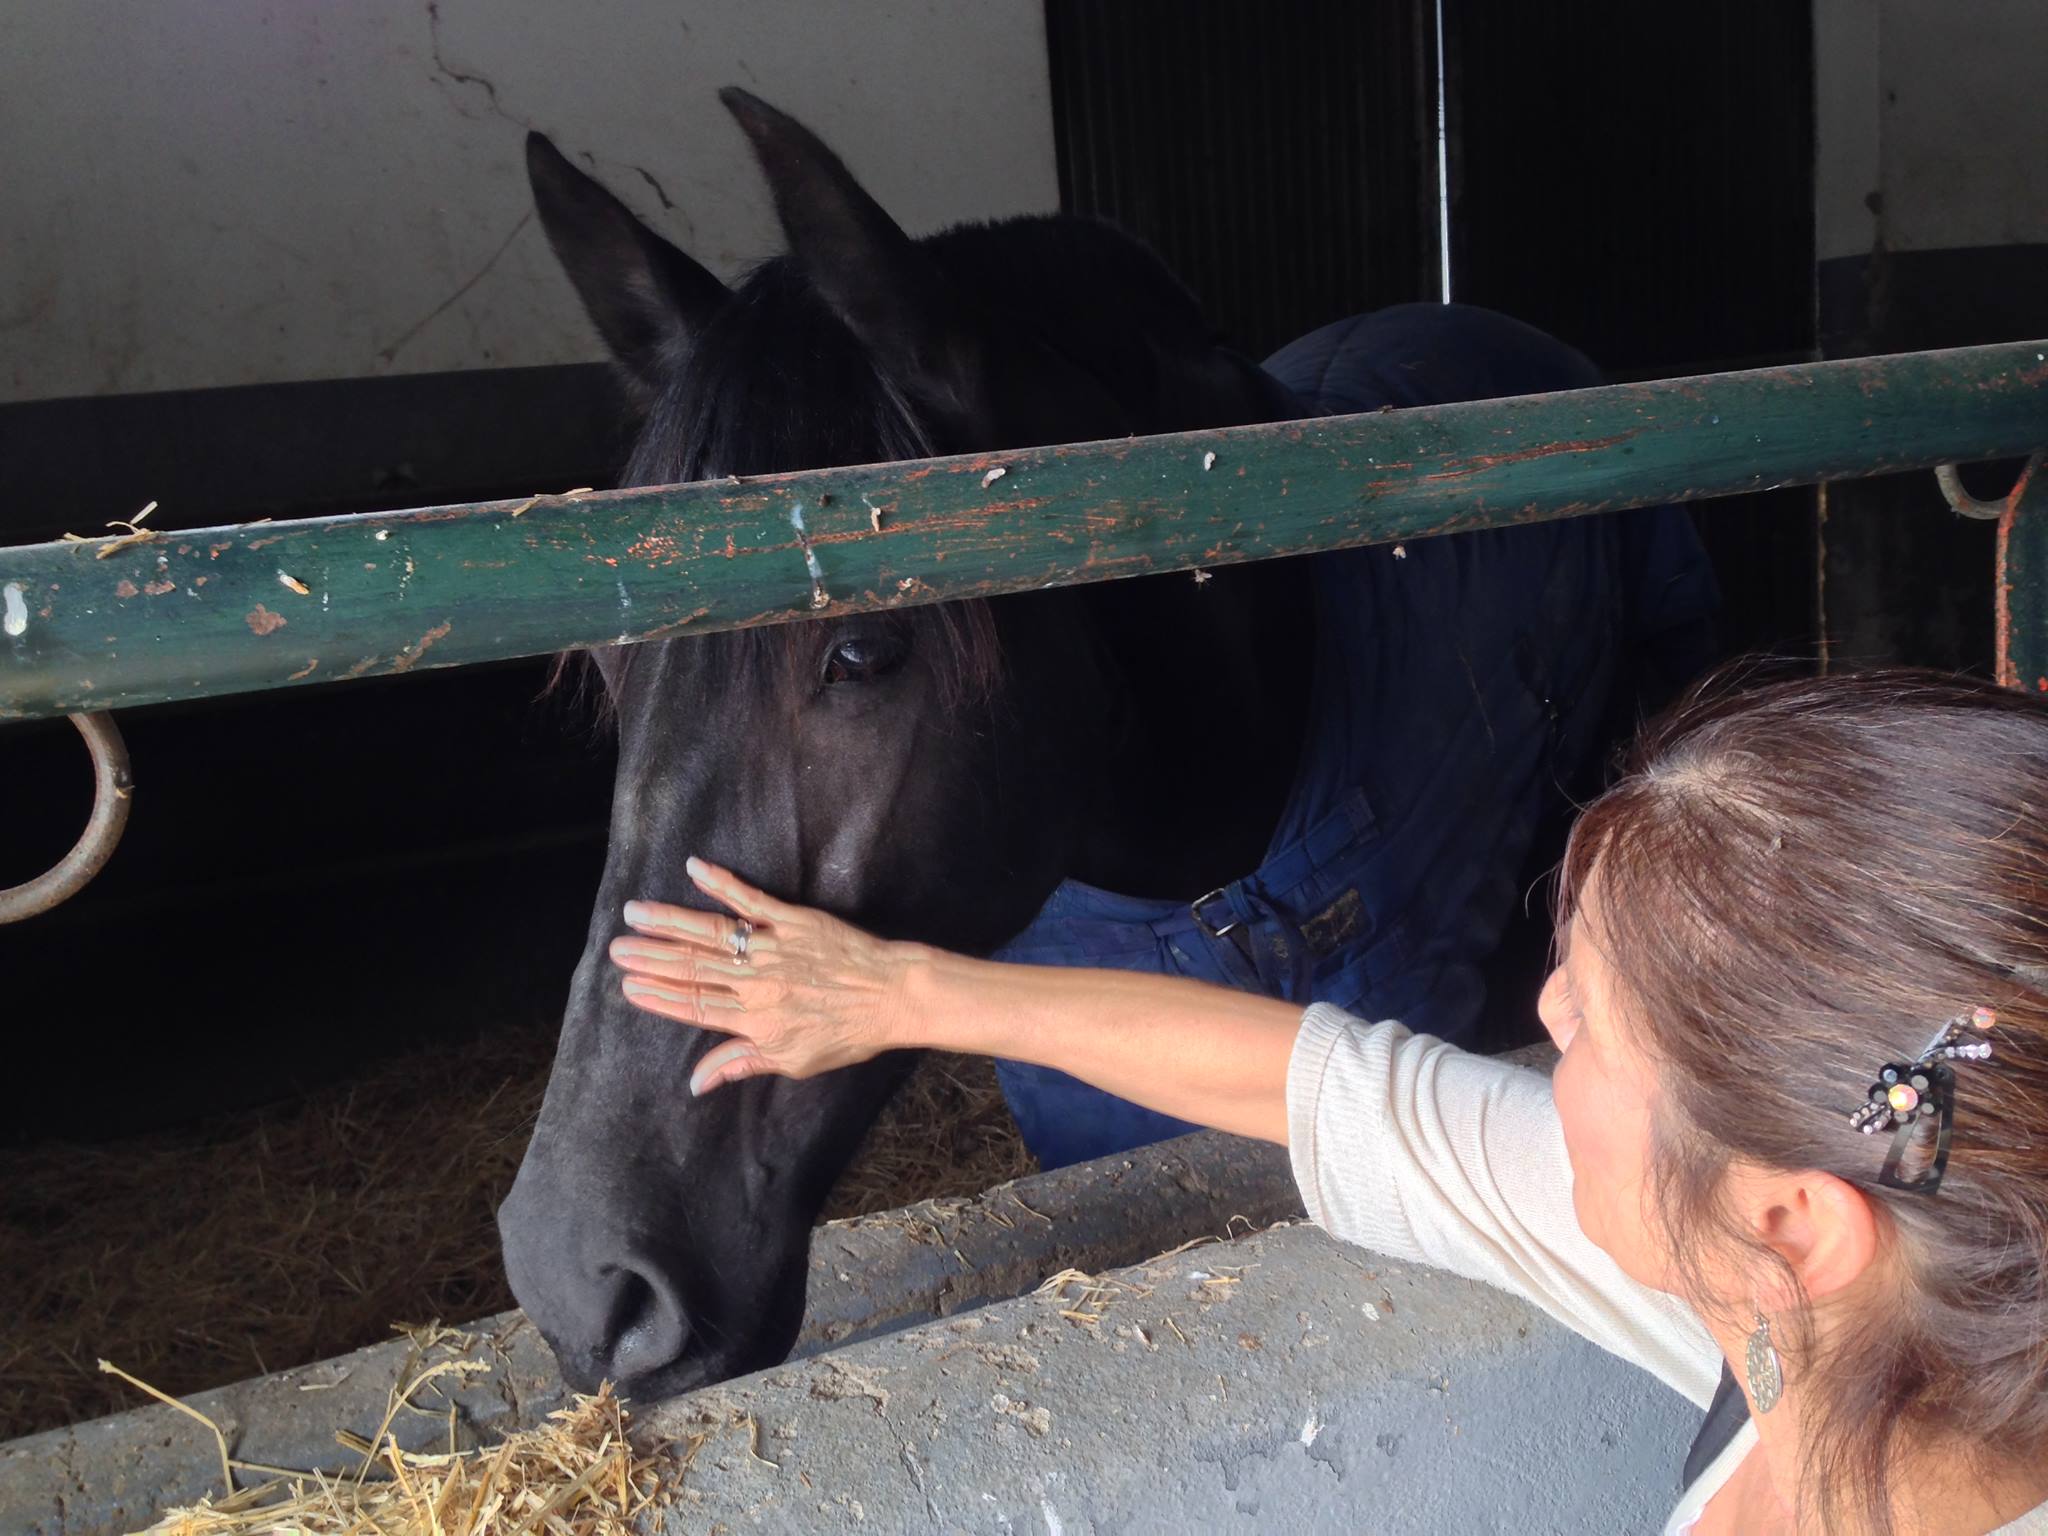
872	1277
867	1277
1280	1383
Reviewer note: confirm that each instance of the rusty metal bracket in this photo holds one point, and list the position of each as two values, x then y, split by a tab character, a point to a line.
1962	503
2020	589
113	794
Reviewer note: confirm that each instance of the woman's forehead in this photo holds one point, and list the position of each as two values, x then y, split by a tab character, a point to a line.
1582	943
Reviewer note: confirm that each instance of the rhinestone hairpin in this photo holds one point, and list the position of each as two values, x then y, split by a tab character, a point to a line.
1905	1091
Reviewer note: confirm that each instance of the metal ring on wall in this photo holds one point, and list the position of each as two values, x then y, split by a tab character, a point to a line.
113	792
1962	503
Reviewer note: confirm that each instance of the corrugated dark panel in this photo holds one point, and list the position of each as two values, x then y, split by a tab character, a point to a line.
1281	157
1637	179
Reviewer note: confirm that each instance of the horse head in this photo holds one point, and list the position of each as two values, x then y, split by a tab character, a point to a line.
929	773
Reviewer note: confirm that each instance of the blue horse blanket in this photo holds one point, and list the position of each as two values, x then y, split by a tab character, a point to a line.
1464	686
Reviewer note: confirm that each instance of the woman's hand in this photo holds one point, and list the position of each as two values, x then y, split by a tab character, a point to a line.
804	993
800	993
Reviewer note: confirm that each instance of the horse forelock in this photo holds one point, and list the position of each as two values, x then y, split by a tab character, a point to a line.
777	383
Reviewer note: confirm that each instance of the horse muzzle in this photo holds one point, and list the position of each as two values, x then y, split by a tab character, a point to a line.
619	1298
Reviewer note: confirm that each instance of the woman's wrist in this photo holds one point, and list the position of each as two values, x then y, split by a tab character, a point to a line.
910	1021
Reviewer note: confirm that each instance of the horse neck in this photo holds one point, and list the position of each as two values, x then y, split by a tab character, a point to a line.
1212	680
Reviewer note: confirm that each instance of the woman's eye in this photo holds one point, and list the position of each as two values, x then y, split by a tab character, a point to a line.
863	658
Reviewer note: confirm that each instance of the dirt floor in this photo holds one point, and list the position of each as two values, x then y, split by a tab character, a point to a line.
247	1243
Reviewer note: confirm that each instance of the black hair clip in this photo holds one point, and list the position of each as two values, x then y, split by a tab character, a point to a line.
1905	1091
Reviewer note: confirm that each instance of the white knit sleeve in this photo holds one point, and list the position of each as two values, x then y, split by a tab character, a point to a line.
1425	1152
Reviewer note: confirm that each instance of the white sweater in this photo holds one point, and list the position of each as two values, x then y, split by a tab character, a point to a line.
1416	1149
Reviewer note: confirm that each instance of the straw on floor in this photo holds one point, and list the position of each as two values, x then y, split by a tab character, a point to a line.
248	1243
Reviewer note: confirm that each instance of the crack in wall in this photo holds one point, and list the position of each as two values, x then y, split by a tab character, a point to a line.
390	353
463	77
445	72
647	176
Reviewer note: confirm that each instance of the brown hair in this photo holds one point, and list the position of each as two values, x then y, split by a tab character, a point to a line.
1800	882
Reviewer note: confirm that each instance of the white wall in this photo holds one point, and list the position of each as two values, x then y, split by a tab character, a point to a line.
213	192
1939	106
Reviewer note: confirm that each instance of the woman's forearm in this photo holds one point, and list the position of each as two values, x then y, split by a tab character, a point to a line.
1197	1052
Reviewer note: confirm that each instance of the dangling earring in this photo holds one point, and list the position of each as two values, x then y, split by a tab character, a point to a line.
1766	1380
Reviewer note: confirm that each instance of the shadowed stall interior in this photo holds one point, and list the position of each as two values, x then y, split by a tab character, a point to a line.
315	990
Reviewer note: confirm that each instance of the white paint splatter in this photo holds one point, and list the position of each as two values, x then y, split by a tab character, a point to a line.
819	596
796	521
17	609
1372	1313
1310	1428
993	476
1208	462
1053	1526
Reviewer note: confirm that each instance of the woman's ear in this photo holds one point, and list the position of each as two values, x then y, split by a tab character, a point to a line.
1823	1227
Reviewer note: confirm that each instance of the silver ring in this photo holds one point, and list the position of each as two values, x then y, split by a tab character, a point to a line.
742	931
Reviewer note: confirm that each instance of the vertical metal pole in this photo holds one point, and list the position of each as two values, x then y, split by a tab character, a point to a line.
2022	591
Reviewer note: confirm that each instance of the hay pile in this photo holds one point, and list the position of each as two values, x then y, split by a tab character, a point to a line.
253	1242
947	1133
579	1474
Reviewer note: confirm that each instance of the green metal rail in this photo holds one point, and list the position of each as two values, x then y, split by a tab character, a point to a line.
97	625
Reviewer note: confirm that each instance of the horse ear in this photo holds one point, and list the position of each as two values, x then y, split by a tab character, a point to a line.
647	298
888	292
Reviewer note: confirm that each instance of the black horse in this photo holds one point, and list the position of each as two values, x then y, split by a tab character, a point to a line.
931	773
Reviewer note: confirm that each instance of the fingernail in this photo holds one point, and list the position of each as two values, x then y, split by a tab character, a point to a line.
699	1086
640	914
645	914
694	867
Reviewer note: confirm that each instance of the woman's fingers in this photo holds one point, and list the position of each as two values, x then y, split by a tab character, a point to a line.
726	1063
714	931
663	920
723	885
748	934
794	989
681	962
684	1002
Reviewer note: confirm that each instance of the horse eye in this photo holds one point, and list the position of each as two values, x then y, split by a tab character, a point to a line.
864	658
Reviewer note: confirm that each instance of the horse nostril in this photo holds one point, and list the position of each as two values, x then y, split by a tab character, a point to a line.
647	1328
